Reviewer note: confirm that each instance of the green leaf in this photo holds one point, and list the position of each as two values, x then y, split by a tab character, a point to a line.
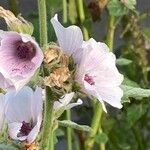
134	92
101	138
146	32
8	147
117	8
71	124
123	61
129	4
134	113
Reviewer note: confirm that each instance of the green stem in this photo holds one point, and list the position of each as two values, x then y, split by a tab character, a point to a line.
69	131
82	18
95	126
47	135
42	23
111	31
13	4
65	11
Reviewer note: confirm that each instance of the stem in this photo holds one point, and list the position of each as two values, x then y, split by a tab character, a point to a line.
82	18
42	23
69	131
64	11
95	126
47	135
110	32
13	4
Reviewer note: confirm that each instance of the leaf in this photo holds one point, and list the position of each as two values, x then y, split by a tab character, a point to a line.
123	61
117	8
146	32
134	92
7	147
129	82
134	113
129	3
101	138
68	123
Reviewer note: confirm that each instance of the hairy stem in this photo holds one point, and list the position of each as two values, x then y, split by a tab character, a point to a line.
65	11
82	18
69	131
47	134
110	32
95	126
42	23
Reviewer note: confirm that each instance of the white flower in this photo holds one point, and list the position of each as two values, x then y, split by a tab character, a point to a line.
64	102
98	75
20	57
24	113
70	39
2	110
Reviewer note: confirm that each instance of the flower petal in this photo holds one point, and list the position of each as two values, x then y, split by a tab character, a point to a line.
70	39
14	129
111	96
37	104
2	110
71	105
18	105
34	132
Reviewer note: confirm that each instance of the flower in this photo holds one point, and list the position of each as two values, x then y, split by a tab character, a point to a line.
24	113
2	110
64	102
70	39
98	75
20	56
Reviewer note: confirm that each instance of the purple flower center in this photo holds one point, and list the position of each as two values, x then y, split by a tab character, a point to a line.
25	129
89	79
25	50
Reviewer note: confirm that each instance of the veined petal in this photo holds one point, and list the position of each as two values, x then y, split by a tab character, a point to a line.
34	132
18	106
2	110
14	129
70	39
37	104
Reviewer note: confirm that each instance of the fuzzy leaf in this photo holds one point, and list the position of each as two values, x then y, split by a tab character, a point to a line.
101	138
71	124
117	8
134	92
123	61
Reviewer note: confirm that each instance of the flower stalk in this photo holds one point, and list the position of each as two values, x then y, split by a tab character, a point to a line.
95	126
47	135
42	23
111	31
69	131
82	18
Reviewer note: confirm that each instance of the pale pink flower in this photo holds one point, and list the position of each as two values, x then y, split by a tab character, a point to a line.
64	102
24	113
70	39
20	56
2	110
98	75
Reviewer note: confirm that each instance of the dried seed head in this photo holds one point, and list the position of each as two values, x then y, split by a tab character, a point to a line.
57	77
50	54
32	146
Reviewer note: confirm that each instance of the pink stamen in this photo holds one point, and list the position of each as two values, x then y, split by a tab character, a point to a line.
89	79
